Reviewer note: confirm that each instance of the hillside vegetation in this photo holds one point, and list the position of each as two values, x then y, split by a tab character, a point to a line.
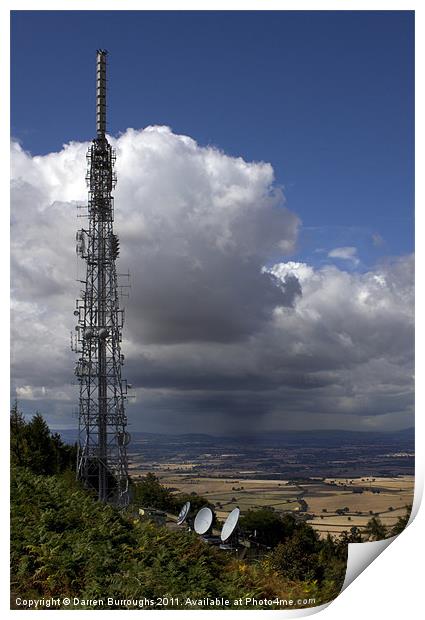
64	543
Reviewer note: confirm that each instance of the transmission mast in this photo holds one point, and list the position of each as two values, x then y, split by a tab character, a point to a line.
103	439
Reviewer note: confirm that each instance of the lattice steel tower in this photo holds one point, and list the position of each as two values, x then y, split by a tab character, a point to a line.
102	454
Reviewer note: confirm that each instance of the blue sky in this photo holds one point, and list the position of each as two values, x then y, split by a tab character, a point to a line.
325	97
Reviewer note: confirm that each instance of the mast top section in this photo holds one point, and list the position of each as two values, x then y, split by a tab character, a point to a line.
101	93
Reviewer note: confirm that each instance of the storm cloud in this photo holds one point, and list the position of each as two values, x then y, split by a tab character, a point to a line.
222	329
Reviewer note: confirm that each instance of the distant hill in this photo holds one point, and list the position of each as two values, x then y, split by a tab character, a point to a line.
313	438
331	437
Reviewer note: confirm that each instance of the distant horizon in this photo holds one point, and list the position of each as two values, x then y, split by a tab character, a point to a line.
263	432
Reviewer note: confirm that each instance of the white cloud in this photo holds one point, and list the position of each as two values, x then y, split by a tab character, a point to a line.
196	227
352	317
212	336
348	253
199	225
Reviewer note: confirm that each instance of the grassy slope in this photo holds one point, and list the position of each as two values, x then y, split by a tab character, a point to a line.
66	544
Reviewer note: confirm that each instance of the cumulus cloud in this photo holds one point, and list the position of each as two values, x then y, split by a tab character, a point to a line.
221	329
199	225
344	320
348	253
196	228
341	357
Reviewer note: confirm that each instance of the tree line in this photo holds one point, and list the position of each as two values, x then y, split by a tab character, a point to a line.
33	445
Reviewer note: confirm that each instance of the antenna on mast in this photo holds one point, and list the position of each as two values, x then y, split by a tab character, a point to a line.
101	93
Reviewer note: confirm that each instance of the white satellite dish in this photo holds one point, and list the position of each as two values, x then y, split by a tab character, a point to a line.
183	513
230	524
203	520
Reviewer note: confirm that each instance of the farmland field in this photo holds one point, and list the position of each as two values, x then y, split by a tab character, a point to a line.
330	505
335	480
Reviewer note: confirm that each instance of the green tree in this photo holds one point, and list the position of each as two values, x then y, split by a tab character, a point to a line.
375	529
42	454
353	536
149	492
297	558
196	502
18	442
267	527
33	445
401	522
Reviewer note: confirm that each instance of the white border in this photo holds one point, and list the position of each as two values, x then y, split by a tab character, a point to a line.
389	588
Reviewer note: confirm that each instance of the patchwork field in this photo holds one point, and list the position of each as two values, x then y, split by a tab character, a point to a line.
330	505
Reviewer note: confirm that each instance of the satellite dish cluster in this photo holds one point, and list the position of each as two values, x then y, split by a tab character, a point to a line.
202	524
